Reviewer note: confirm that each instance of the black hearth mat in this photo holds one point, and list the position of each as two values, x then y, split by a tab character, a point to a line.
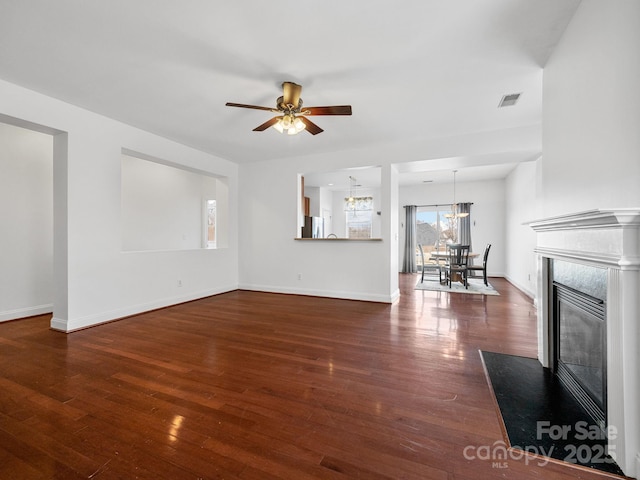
541	416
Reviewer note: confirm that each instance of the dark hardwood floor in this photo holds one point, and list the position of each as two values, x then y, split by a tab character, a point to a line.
250	385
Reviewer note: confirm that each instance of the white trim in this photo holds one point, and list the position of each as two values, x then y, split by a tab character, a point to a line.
519	286
367	297
615	377
79	323
585	258
58	324
395	296
17	313
600	218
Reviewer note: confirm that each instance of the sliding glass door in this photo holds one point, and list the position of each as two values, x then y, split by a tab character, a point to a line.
433	229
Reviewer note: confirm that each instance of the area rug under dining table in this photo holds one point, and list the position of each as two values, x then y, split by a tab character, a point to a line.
476	286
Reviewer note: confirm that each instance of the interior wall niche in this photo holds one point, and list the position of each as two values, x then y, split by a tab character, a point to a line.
166	207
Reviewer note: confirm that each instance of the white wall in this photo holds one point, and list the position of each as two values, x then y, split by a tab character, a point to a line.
487	214
591	111
101	282
521	206
326	210
226	214
26	240
338	220
313	193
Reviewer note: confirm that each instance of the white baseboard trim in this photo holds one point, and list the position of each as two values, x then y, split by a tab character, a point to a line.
522	288
58	324
73	324
25	312
395	296
367	297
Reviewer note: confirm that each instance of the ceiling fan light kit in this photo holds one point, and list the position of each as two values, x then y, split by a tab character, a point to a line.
293	118
292	124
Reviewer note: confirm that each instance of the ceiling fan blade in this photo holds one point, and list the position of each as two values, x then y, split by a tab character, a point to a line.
291	93
255	107
312	128
267	124
334	110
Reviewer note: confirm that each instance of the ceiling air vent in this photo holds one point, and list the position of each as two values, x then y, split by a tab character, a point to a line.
509	100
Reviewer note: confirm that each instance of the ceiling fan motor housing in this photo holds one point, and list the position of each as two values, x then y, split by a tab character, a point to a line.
283	107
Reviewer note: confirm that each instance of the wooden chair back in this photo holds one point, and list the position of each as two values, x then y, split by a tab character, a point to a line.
458	254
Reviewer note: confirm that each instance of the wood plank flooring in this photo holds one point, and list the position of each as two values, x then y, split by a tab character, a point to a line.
249	385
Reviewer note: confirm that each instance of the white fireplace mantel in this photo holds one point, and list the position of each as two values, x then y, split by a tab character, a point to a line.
607	239
589	219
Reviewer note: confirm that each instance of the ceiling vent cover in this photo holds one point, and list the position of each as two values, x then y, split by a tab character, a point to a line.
509	100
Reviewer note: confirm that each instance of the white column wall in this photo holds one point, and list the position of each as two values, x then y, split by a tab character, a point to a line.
389	202
521	206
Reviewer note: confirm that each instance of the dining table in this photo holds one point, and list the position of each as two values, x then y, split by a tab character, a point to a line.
439	255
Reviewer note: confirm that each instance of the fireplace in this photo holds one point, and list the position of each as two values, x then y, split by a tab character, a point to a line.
579	334
588	300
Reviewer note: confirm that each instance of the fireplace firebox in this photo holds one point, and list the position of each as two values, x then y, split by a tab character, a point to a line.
579	325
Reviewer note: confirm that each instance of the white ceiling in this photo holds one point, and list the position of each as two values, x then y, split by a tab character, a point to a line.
414	71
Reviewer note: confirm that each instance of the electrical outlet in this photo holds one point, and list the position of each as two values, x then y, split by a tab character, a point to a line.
299	276
179	283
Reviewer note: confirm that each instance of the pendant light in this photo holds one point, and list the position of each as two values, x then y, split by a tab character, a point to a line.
351	201
454	207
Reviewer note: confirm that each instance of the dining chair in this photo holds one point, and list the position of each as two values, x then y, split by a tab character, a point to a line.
430	264
457	263
482	268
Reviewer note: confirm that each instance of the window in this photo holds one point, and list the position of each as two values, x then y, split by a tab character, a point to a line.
359	217
359	224
433	229
210	241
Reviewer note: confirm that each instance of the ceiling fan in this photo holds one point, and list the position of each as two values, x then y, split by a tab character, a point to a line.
293	116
